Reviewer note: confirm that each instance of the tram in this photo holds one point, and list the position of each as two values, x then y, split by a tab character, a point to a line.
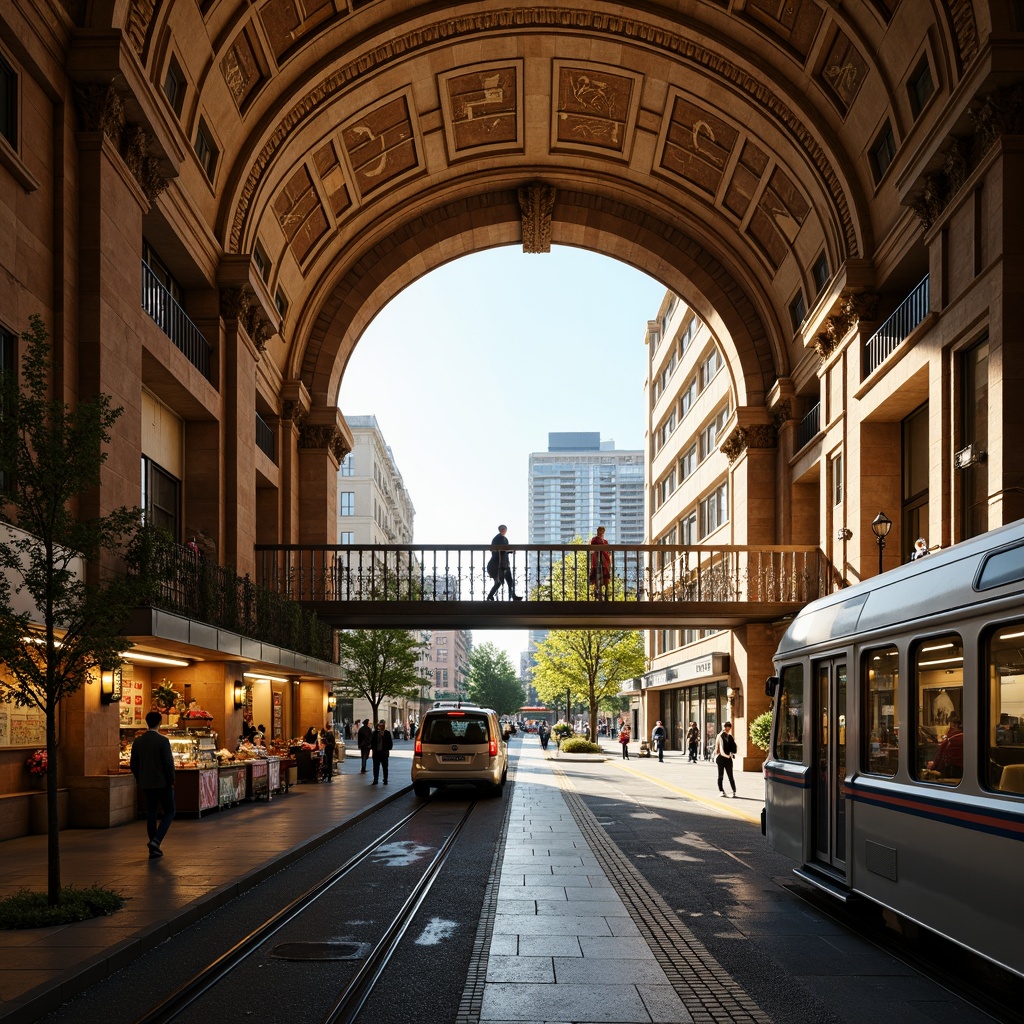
896	767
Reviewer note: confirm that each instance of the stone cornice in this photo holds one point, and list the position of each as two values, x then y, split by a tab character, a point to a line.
401	45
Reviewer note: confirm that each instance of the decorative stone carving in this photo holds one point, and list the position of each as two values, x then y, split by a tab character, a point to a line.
100	110
293	412
782	413
258	328
930	201
140	17
1001	113
756	435
234	304
537	203
955	166
145	168
324	436
733	446
864	306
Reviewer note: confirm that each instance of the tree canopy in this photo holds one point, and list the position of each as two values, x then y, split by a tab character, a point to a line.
63	611
378	664
493	681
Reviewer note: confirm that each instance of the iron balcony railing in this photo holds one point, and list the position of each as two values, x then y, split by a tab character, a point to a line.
809	426
158	302
264	437
895	330
190	585
560	573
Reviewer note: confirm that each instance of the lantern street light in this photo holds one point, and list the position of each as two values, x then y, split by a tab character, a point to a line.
880	527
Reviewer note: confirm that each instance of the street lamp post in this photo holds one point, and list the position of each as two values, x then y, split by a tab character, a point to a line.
880	527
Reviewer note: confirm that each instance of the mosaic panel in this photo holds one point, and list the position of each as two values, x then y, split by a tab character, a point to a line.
795	22
332	177
482	107
780	212
380	144
300	214
746	179
288	22
843	72
593	107
697	145
240	69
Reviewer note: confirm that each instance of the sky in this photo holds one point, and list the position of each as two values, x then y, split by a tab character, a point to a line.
469	368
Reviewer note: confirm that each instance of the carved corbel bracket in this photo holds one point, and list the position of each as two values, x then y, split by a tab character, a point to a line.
313	436
537	203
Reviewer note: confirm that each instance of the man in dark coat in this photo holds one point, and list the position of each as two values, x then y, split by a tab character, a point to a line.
152	764
364	738
498	567
381	745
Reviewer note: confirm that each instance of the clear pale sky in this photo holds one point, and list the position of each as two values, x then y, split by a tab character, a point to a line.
470	367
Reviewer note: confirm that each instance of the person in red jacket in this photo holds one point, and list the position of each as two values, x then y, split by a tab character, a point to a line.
600	568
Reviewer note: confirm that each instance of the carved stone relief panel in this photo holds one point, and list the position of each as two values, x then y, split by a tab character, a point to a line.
241	69
594	107
482	106
300	214
381	144
288	23
842	72
696	145
780	213
746	179
332	178
794	22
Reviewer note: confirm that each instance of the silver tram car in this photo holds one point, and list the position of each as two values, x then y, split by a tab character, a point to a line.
896	768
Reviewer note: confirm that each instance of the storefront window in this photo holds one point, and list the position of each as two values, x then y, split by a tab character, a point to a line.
1005	725
881	690
939	674
789	722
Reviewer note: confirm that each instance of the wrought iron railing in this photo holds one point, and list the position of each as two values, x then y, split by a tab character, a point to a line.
911	311
809	426
656	572
158	302
190	585
264	437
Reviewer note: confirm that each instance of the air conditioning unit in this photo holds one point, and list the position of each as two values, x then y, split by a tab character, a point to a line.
968	457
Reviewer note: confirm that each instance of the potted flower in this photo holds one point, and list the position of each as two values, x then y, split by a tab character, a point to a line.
167	700
37	764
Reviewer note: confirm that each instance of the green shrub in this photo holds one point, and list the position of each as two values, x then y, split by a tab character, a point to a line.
761	730
578	745
562	729
27	909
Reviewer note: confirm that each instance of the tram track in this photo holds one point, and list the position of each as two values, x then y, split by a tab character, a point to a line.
356	990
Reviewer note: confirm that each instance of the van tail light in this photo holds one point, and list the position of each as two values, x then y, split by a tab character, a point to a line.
418	749
492	748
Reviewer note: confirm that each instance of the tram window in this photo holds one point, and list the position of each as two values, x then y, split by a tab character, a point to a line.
789	722
939	671
1005	726
1001	568
881	689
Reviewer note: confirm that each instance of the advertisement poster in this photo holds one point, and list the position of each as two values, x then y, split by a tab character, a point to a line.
21	727
276	726
134	702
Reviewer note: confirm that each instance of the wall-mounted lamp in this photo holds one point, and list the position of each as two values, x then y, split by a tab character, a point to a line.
845	533
332	702
239	694
110	685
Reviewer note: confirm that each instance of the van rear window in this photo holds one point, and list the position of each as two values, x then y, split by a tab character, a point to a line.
461	729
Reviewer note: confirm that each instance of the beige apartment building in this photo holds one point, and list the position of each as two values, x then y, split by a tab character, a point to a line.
208	202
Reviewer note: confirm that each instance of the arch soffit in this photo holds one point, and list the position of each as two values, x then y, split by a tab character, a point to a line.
472	223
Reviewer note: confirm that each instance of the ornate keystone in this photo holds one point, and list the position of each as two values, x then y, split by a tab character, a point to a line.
537	203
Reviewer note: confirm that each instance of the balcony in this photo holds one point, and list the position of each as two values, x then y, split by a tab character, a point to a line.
265	437
809	426
158	302
897	328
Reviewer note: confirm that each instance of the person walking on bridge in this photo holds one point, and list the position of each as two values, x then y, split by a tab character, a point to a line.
498	566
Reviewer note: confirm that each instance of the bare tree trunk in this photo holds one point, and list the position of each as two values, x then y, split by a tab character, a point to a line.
52	816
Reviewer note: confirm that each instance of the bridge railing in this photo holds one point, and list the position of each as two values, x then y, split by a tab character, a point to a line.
457	572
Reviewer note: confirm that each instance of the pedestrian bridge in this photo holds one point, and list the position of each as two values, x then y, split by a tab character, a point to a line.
446	586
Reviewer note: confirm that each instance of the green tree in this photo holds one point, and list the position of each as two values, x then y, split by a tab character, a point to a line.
589	664
379	663
492	680
67	584
761	730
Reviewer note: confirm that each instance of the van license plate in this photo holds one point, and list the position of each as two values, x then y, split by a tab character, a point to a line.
453	757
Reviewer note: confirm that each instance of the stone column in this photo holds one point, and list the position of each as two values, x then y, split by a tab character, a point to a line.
323	442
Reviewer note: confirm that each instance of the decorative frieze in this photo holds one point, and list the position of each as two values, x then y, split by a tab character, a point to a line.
537	203
754	435
234	304
836	327
145	167
314	436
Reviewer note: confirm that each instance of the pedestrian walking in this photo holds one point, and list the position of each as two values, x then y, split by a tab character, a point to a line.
330	745
725	753
624	740
693	741
381	744
658	739
364	738
498	566
152	764
544	732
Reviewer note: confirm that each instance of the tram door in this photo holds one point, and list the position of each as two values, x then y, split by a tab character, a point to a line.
830	763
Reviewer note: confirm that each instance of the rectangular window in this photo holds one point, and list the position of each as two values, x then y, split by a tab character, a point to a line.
1005	705
837	479
262	261
688	463
974	434
8	103
789	721
206	151
709	368
347	467
280	302
881	691
939	682
161	272
882	152
161	498
920	87
688	529
174	86
915	471
688	397
797	311
346	537
347	503
714	510
820	273
688	334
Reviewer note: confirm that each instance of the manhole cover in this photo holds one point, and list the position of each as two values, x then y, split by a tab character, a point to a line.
319	951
